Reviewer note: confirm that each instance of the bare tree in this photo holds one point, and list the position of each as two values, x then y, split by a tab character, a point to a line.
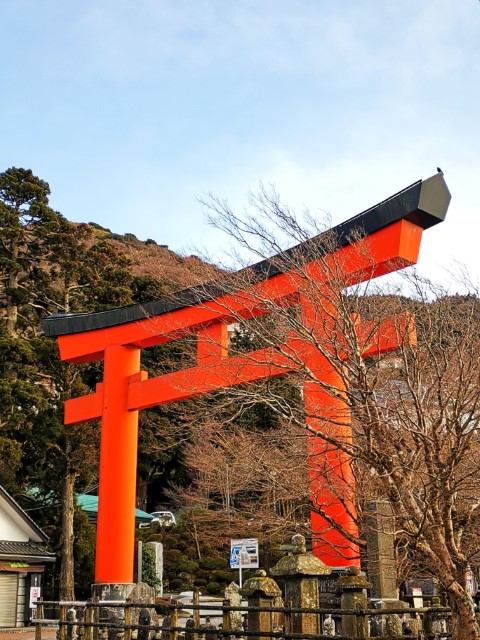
404	423
252	479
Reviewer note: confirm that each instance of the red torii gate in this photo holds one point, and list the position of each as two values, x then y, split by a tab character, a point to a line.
392	231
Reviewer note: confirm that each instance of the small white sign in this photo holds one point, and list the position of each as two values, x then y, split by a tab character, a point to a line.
35	594
417	597
244	553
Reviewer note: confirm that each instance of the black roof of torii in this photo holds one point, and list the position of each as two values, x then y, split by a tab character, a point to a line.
424	203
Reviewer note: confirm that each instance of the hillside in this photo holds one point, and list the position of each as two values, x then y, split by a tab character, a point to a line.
148	258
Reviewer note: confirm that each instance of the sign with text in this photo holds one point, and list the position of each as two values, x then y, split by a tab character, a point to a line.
35	593
244	553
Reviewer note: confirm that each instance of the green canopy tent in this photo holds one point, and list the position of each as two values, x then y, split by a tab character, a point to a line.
89	504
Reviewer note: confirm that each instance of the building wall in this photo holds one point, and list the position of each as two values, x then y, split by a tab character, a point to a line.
10	530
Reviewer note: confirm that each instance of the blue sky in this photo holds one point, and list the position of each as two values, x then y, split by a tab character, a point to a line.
131	110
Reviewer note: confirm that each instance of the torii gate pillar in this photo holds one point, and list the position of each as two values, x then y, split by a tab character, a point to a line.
118	468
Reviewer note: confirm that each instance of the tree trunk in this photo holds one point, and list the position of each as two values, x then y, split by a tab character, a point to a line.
67	586
464	624
142	496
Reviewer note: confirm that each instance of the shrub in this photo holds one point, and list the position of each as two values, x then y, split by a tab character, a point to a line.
200	582
211	563
186	565
149	569
213	588
224	576
176	584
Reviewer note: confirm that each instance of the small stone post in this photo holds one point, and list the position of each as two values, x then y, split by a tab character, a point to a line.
262	592
71	629
300	572
352	586
232	594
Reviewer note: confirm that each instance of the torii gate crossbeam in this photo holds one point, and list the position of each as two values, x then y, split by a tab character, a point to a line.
393	231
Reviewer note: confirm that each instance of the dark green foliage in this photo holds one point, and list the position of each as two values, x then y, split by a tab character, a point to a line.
176	585
147	288
200	582
225	576
213	588
213	563
186	564
84	554
26	223
149	572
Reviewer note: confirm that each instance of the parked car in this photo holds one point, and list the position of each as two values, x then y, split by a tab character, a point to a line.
163	518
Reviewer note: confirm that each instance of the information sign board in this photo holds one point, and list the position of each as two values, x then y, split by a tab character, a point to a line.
244	553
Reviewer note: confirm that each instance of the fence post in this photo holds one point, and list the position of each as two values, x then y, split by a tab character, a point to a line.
227	616
196	611
89	617
40	614
261	592
61	626
174	624
128	621
71	629
352	586
300	572
96	617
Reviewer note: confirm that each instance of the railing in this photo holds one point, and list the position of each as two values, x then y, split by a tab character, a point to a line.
98	620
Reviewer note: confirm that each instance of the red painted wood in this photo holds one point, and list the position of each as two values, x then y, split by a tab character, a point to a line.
118	470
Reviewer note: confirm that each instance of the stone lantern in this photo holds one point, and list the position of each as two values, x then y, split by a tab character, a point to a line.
353	586
300	573
265	593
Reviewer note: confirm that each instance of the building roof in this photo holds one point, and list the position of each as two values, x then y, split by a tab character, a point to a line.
89	504
25	551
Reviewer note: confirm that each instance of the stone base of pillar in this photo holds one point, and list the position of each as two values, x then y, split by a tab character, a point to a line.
121	593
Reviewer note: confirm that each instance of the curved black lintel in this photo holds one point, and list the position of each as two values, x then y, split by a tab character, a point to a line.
424	203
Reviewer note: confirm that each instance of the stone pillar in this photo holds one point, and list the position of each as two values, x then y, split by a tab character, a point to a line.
382	571
352	587
232	594
300	572
262	592
158	550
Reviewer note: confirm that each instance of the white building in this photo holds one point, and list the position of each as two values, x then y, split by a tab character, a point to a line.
23	555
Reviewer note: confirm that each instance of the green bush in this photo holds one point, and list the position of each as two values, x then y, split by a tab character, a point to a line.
185	564
200	582
176	584
171	557
213	588
224	576
213	563
149	570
